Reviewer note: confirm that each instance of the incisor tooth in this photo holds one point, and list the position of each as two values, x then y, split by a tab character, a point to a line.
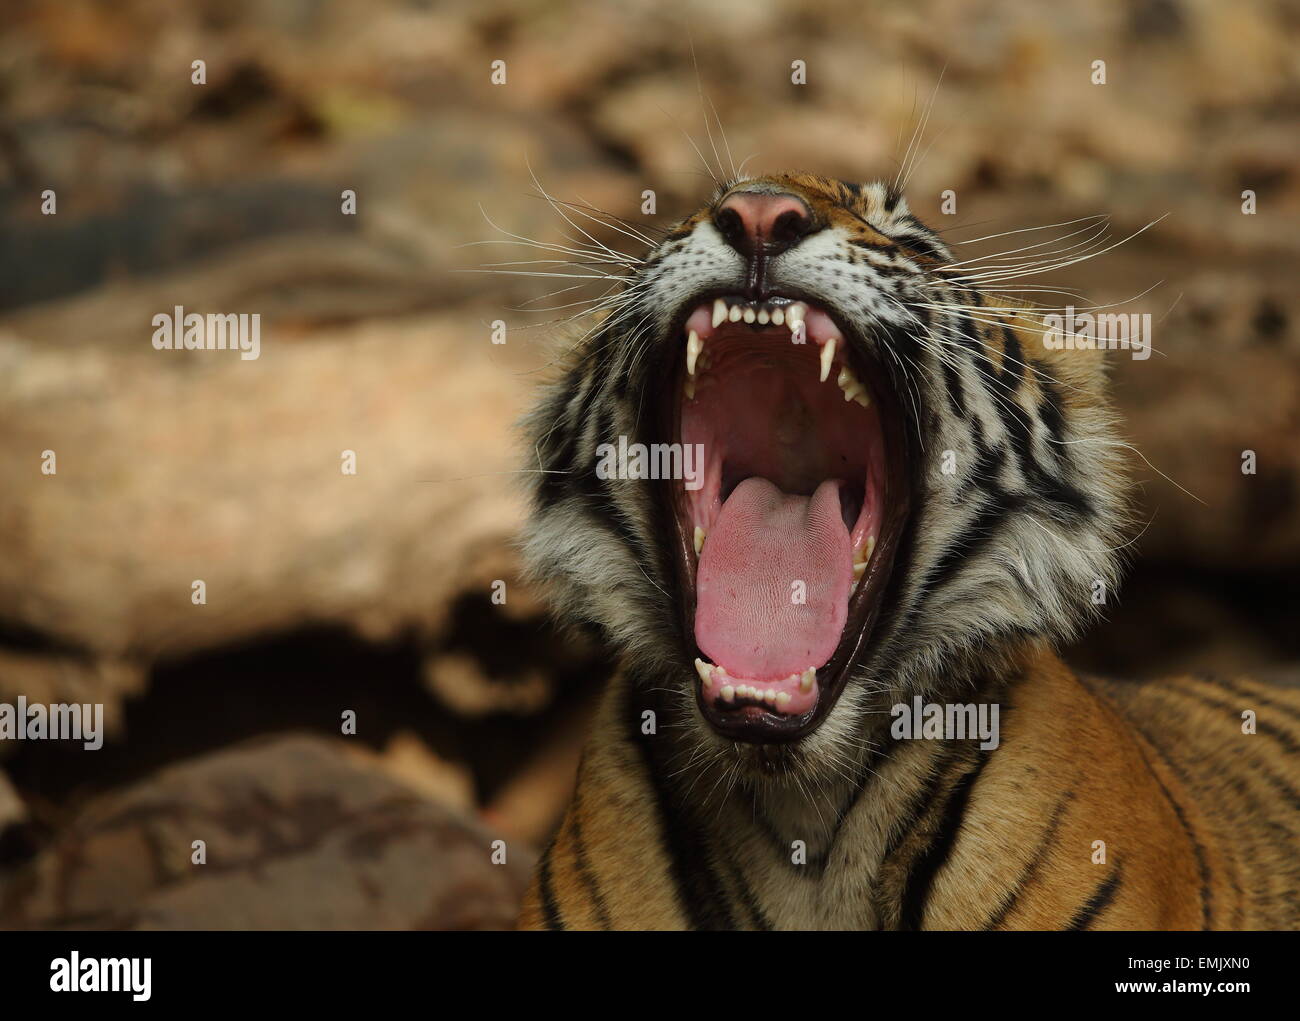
728	693
828	355
769	696
778	316
763	317
699	539
782	699
735	314
749	315
693	348
705	670
806	680
719	311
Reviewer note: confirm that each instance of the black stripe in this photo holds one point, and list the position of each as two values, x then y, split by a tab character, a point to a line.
550	909
1013	358
1290	711
1287	742
1097	903
1202	866
1023	881
583	864
916	892
699	892
750	903
978	534
1046	486
956	391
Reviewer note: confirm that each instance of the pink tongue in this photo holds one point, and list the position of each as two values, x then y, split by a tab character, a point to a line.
748	616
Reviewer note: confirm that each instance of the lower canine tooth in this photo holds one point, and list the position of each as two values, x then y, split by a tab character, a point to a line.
693	348
806	680
699	539
828	355
705	670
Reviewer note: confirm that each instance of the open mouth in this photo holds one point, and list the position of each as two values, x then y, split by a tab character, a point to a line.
789	527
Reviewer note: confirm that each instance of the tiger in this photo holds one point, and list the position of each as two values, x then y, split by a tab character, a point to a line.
884	489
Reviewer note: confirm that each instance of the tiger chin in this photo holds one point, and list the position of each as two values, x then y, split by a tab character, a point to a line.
902	496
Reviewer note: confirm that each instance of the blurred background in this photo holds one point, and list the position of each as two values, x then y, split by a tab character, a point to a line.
371	593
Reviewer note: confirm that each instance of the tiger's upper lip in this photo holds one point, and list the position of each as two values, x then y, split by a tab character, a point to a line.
753	723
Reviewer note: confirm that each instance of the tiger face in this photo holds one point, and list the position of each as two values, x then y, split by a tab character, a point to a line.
894	483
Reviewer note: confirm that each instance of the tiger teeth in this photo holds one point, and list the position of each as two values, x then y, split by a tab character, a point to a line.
827	356
693	348
794	320
859	569
705	670
806	680
852	387
699	539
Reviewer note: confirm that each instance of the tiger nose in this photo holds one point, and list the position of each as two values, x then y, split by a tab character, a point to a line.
757	222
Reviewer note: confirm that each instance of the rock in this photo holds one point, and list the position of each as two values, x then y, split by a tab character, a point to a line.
300	833
174	467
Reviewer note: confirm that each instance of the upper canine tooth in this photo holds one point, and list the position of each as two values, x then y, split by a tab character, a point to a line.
828	355
705	670
693	348
735	313
719	311
699	539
